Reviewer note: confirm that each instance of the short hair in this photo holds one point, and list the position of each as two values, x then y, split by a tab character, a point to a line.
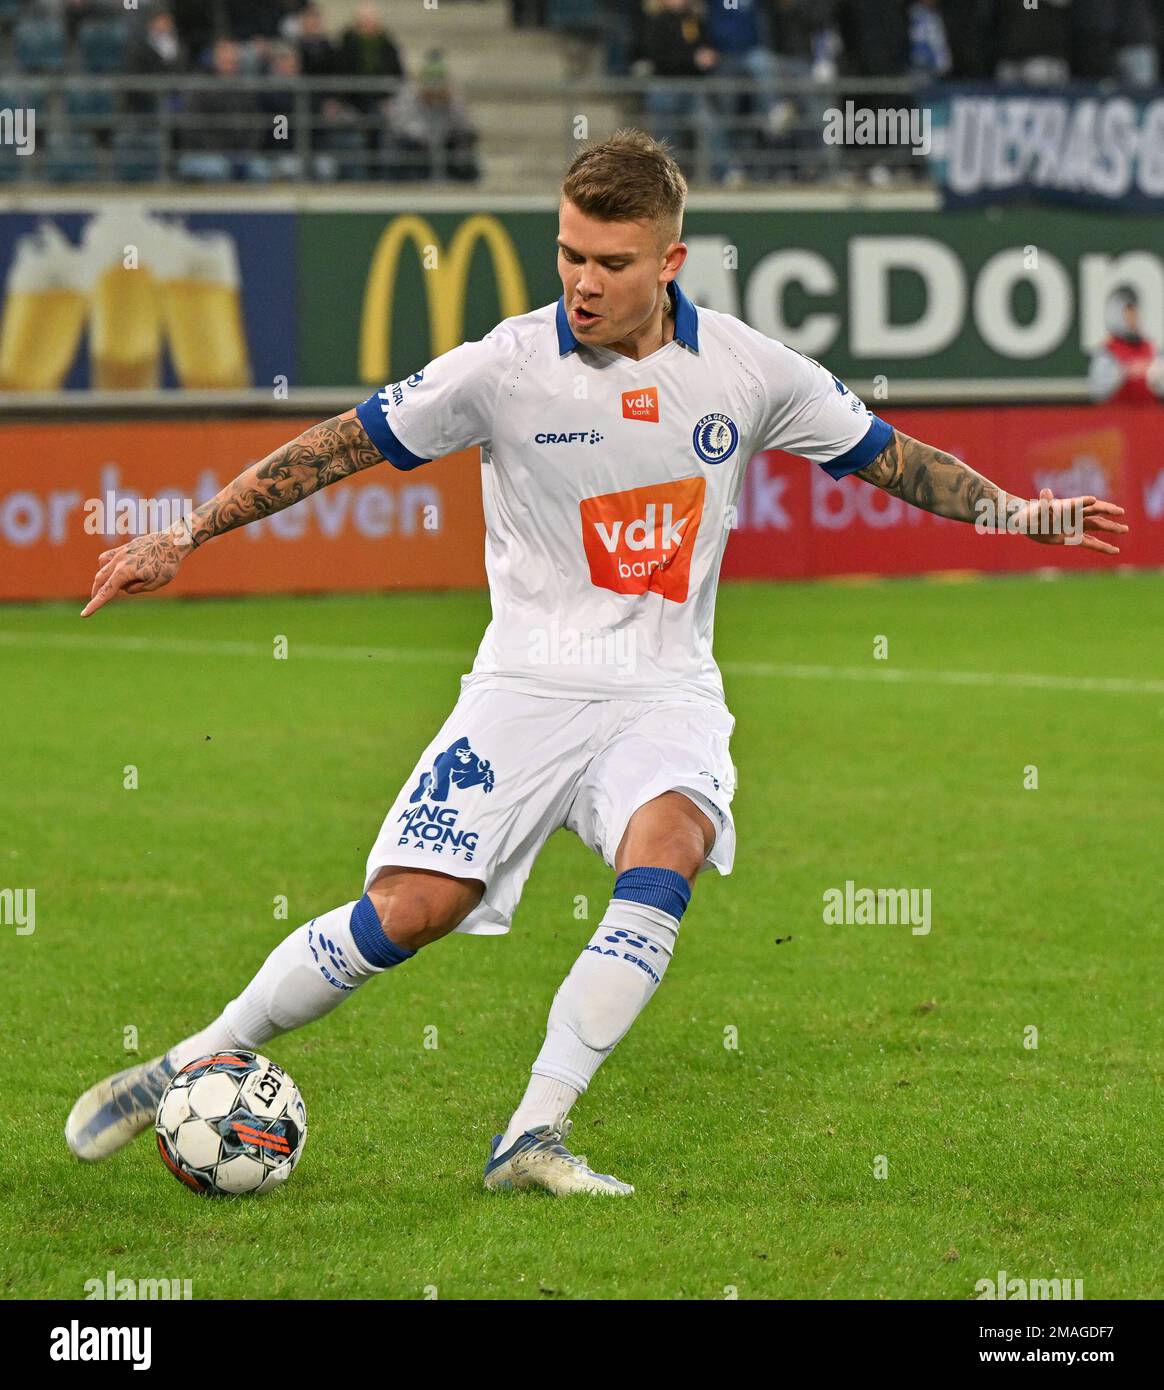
629	178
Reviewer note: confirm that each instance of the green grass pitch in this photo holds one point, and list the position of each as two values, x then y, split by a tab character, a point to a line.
755	1165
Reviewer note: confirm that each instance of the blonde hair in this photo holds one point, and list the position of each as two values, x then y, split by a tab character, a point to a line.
629	178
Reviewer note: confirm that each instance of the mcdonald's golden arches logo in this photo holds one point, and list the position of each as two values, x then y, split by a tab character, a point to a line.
446	284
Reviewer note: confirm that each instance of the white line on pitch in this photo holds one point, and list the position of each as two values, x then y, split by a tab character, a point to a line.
200	646
1109	685
197	646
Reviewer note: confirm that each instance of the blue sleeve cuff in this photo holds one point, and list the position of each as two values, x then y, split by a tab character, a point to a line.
378	430
876	437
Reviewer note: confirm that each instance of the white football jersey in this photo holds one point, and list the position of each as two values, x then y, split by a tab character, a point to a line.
610	486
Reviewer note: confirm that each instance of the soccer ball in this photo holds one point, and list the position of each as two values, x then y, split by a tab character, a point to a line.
230	1124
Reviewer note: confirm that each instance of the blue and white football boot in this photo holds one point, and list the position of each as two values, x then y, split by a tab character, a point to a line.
539	1158
117	1109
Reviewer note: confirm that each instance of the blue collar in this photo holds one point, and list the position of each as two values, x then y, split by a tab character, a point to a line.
686	322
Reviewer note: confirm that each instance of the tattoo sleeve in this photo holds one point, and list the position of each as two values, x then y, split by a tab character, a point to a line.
321	455
927	478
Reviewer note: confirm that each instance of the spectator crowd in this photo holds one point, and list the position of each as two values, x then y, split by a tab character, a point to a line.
785	62
227	128
783	47
1008	40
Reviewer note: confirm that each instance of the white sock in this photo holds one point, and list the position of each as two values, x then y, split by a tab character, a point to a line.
546	1101
308	974
595	1005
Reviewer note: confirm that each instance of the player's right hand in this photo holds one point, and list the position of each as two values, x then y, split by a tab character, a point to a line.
141	565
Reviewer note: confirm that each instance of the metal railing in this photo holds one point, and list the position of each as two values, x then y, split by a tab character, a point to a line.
162	130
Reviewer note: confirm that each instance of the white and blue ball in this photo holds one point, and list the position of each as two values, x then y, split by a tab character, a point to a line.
230	1124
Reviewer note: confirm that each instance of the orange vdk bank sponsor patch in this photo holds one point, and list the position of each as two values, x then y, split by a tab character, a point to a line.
641	541
642	404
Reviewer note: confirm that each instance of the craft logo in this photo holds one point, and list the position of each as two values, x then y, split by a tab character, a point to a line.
641	405
445	274
569	437
641	540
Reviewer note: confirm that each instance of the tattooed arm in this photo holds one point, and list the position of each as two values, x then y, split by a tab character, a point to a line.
938	482
320	456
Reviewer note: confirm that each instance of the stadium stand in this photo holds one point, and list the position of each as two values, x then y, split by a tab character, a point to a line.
740	90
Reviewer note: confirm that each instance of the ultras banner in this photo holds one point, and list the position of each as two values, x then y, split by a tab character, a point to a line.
1091	147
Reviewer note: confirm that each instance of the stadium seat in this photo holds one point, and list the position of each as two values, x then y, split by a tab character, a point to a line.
39	44
341	153
205	168
573	15
70	156
90	105
18	95
138	155
102	45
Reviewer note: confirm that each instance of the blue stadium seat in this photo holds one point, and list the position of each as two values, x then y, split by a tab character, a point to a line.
102	45
90	104
572	14
70	156
204	168
18	94
137	155
39	43
345	155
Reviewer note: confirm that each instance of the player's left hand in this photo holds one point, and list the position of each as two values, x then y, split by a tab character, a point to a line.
1056	522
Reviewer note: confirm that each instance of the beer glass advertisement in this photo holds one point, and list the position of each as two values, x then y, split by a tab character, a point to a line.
123	298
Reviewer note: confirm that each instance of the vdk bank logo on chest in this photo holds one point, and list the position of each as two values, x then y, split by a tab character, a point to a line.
641	540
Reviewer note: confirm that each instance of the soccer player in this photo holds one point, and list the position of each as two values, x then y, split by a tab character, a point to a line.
615	426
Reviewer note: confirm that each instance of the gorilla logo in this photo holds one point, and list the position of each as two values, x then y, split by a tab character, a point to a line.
458	765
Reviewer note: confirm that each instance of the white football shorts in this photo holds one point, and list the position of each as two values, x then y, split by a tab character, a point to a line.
507	769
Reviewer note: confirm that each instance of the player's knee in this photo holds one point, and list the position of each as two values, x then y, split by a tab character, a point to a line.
416	908
687	846
670	832
683	852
